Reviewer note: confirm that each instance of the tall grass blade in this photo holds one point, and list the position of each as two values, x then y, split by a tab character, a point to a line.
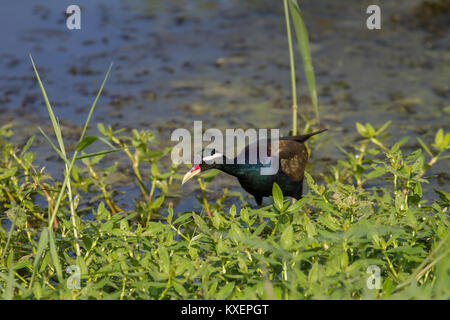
63	157
9	291
10	232
292	66
54	255
91	111
55	123
303	44
42	245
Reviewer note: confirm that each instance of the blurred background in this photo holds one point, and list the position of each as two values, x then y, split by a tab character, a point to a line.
225	62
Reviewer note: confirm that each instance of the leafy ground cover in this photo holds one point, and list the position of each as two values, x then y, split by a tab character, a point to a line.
346	238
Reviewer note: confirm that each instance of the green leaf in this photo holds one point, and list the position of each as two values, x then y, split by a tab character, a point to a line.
439	139
82	264
312	183
102	129
100	153
397	146
210	174
27	145
9	290
310	229
226	291
446	142
377	172
83	144
418	189
287	237
105	141
155	171
233	210
383	127
8	173
200	222
277	196
407	249
425	147
328	221
244	215
165	260
361	129
183	217
298	205
443	195
42	245
260	228
170	215
54	254
344	260
158	202
370	130
314	273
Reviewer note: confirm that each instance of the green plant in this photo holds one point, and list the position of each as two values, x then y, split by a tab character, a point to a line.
303	45
318	247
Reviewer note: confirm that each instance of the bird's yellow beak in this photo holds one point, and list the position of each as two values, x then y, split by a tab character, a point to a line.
191	173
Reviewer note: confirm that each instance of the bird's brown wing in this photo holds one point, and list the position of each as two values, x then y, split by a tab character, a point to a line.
293	157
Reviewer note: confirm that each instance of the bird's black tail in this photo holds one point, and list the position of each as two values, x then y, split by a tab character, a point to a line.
304	137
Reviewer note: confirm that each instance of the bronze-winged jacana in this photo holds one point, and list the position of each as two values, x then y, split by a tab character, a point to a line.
292	157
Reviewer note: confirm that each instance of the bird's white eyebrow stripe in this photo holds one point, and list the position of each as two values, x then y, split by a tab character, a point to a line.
214	156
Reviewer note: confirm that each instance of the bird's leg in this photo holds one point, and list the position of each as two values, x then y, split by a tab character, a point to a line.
261	219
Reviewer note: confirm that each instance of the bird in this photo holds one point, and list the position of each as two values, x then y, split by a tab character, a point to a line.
292	157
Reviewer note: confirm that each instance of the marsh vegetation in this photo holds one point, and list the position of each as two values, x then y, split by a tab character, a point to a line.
368	208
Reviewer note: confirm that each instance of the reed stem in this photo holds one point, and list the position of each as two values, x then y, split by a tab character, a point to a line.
292	65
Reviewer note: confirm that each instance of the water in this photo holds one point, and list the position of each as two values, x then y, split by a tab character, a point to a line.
226	63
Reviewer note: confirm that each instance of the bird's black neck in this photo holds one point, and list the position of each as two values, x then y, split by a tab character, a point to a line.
232	167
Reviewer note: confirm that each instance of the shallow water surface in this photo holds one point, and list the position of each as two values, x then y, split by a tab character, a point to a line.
226	63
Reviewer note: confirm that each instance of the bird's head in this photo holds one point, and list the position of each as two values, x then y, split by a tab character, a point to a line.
203	161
